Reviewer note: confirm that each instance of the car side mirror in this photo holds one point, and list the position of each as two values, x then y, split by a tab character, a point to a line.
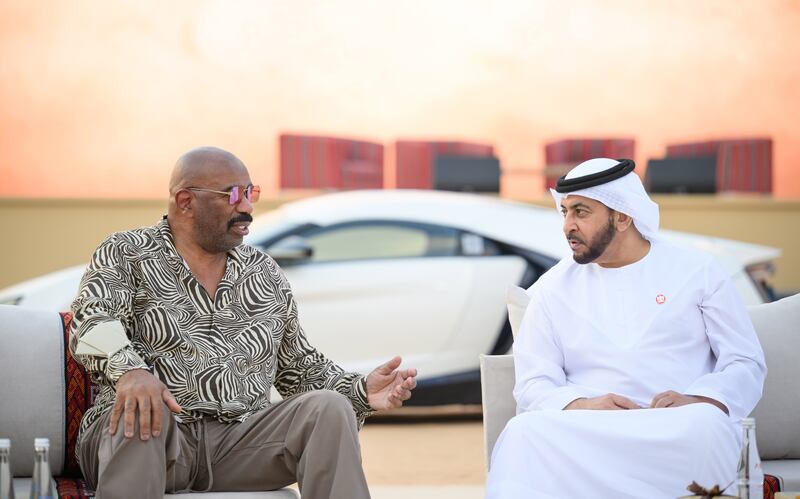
293	249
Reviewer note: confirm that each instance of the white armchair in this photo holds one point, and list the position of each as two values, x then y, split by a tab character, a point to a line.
43	393
777	414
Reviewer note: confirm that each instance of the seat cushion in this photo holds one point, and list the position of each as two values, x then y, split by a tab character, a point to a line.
33	393
777	421
787	469
772	484
79	396
497	384
517	300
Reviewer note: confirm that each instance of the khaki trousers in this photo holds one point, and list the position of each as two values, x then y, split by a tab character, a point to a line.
311	439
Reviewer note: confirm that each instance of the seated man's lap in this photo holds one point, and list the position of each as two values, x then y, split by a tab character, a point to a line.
664	446
206	453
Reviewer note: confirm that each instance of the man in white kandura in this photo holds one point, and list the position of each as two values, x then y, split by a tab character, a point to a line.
654	334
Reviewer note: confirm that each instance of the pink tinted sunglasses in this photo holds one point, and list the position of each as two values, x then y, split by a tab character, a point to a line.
251	192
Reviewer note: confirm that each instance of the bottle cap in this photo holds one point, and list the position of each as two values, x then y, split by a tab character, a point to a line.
5	443
41	442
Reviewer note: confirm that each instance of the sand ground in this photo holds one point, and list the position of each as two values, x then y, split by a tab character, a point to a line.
445	453
424	460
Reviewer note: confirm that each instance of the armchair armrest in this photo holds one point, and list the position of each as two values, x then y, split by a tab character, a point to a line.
497	386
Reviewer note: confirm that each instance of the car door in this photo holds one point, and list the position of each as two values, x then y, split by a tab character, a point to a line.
374	289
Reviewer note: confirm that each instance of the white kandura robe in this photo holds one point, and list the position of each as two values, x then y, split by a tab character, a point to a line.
671	321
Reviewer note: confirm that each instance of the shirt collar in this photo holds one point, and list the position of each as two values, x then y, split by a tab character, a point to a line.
167	242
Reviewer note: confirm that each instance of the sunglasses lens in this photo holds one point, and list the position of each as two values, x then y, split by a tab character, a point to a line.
234	195
255	193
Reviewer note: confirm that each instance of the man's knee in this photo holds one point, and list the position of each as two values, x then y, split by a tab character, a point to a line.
328	403
135	443
518	424
167	418
708	422
325	399
165	423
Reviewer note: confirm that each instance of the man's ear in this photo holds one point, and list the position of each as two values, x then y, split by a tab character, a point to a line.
183	199
622	221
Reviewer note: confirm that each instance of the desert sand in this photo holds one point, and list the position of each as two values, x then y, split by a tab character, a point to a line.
429	453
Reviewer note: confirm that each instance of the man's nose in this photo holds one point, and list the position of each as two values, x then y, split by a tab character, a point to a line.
244	206
569	224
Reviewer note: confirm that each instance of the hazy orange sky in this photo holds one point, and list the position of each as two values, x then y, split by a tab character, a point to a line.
99	98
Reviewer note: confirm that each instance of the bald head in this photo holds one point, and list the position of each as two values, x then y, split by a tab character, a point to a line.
201	165
200	214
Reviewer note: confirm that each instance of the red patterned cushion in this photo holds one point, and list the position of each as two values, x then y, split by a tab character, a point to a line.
79	397
73	488
772	485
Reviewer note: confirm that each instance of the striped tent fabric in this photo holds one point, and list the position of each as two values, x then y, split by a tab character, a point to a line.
317	162
563	155
414	159
743	165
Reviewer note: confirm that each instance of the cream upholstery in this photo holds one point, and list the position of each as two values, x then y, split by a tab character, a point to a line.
32	385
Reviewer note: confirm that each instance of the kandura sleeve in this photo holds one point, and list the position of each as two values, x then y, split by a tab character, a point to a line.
541	381
105	295
738	376
302	368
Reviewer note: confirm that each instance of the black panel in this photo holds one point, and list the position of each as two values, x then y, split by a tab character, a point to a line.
463	388
682	175
466	173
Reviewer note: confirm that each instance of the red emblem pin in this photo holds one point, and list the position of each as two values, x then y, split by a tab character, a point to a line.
660	299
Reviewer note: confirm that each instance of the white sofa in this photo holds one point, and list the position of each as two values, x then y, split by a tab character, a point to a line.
40	396
777	414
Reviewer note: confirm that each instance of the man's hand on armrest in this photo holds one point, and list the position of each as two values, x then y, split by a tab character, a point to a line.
675	399
609	401
139	390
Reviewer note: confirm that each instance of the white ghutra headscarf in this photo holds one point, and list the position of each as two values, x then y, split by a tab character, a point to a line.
613	183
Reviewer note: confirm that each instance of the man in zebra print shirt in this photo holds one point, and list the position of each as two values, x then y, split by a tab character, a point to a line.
184	330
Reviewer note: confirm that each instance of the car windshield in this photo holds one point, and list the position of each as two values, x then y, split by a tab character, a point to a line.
268	225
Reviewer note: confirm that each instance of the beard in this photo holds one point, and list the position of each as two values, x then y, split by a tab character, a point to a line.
215	239
597	246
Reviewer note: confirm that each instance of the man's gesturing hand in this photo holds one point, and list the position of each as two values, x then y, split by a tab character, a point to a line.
388	387
140	390
609	401
675	399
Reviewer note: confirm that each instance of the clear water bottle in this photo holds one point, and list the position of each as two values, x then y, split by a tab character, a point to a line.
744	488
42	483
6	479
751	477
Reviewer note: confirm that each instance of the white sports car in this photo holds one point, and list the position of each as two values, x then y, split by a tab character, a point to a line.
423	274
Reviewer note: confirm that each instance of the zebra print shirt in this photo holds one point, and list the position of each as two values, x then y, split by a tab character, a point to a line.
218	357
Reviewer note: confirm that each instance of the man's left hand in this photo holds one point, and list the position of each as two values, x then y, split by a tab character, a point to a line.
388	387
675	399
